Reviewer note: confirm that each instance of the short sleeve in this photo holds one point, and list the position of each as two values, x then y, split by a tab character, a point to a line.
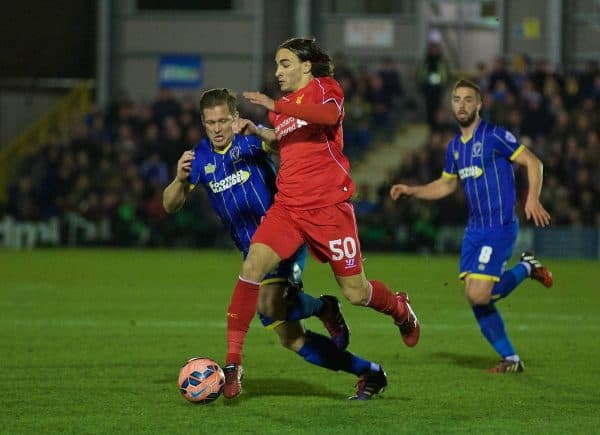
331	91
506	144
256	145
450	169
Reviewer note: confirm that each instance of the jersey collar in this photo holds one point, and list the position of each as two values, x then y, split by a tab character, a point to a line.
224	150
464	140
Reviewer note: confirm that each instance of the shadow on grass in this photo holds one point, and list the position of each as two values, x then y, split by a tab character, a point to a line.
476	362
257	388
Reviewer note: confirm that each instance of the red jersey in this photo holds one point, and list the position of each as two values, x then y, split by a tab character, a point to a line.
314	172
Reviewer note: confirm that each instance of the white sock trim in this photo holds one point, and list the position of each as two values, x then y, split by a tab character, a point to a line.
370	294
248	281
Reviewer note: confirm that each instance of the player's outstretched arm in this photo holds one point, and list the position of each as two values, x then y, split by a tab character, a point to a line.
175	193
437	189
324	114
246	127
534	210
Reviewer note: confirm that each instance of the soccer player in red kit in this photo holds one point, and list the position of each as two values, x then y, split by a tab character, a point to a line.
313	191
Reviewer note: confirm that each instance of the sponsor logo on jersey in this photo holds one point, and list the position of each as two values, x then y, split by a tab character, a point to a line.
476	152
289	125
238	177
510	137
209	169
470	171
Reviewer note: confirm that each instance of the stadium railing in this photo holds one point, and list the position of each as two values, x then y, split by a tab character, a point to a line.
55	122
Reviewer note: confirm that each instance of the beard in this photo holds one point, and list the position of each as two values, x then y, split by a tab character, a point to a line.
468	121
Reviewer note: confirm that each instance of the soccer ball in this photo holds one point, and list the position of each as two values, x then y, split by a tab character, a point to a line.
201	380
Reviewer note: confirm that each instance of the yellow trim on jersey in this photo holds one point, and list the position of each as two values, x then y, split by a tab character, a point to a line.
190	187
449	175
224	150
274	325
480	276
465	139
272	280
516	153
265	146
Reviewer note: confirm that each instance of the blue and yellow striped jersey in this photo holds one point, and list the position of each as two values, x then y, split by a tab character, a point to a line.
240	181
484	165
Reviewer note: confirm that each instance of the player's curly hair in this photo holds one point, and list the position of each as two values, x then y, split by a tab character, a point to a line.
216	97
307	49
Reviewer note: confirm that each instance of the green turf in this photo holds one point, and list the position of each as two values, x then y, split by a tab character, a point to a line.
92	341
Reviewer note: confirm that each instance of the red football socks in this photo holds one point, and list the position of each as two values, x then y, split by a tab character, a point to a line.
240	312
384	301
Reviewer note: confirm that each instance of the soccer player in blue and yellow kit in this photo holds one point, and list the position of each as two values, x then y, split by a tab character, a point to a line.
482	156
239	177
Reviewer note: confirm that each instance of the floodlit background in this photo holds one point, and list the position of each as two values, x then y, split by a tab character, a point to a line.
98	102
103	296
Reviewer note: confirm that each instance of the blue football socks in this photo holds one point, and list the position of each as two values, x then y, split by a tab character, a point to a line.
303	306
492	327
509	281
321	351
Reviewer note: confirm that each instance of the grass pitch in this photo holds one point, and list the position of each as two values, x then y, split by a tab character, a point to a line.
91	341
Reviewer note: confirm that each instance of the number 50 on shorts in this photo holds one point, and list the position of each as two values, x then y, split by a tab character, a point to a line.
342	248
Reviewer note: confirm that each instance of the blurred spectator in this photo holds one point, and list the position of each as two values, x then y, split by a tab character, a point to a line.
165	105
22	200
433	75
381	103
357	131
500	73
344	75
392	85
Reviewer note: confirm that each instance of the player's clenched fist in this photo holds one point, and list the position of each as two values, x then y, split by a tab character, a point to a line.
244	127
398	190
184	165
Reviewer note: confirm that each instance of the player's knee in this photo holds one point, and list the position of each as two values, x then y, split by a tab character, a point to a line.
266	308
292	343
271	304
252	270
478	297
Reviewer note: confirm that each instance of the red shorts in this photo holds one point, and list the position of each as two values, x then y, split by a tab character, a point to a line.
329	232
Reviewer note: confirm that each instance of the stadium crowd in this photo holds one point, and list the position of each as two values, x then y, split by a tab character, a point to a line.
118	160
556	115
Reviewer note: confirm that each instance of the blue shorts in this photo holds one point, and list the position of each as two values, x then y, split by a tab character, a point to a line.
485	251
290	269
